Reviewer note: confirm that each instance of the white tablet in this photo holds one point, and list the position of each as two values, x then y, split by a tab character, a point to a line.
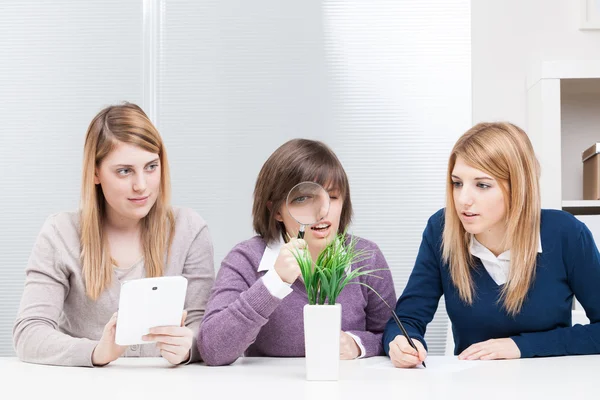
146	303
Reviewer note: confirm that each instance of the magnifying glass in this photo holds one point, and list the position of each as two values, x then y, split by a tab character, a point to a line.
307	203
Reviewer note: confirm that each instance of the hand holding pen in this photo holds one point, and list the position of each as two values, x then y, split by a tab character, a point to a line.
404	352
403	355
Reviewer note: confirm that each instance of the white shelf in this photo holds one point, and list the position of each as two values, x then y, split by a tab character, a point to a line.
562	121
563	70
581	207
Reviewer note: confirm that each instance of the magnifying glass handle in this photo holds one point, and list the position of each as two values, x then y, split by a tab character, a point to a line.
301	232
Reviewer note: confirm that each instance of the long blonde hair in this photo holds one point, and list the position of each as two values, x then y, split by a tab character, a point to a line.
503	151
125	123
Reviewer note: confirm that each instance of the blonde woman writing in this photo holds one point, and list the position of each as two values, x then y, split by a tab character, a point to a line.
507	269
125	229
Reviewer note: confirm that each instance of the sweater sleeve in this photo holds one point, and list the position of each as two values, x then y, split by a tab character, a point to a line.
200	273
377	313
583	265
35	332
419	301
236	311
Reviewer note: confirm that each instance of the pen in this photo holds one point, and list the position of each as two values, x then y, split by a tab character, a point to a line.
397	320
410	341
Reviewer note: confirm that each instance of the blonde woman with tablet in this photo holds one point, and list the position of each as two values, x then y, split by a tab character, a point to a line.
126	229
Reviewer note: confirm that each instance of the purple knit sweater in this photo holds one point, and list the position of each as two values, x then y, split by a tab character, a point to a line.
243	318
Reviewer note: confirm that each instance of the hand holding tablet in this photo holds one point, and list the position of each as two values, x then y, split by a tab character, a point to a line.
148	303
151	310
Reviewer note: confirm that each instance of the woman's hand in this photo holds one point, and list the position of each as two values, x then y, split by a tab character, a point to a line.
286	265
175	342
349	349
403	355
107	350
493	349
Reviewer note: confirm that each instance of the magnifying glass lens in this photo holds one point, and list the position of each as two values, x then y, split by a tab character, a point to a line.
307	203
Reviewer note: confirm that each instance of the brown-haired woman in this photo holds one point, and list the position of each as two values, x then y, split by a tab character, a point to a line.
256	305
508	270
126	229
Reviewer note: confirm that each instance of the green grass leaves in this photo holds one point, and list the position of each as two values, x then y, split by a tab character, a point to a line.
325	279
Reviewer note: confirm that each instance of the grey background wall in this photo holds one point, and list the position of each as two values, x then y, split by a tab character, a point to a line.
387	84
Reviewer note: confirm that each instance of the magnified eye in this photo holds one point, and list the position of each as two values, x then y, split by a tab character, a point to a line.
301	199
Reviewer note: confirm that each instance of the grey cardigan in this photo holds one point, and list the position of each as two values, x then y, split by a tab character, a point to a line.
58	324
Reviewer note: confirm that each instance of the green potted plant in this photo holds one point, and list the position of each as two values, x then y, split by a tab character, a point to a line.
324	280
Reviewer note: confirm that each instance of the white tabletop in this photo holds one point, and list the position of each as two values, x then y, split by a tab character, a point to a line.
280	378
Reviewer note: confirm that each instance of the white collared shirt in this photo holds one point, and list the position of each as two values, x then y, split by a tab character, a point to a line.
280	289
497	267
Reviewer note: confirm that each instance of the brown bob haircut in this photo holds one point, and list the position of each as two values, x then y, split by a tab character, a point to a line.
298	160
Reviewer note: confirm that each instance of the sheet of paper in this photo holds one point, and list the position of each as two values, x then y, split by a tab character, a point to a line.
435	364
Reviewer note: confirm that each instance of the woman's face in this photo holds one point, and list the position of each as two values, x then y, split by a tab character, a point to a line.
130	180
479	201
